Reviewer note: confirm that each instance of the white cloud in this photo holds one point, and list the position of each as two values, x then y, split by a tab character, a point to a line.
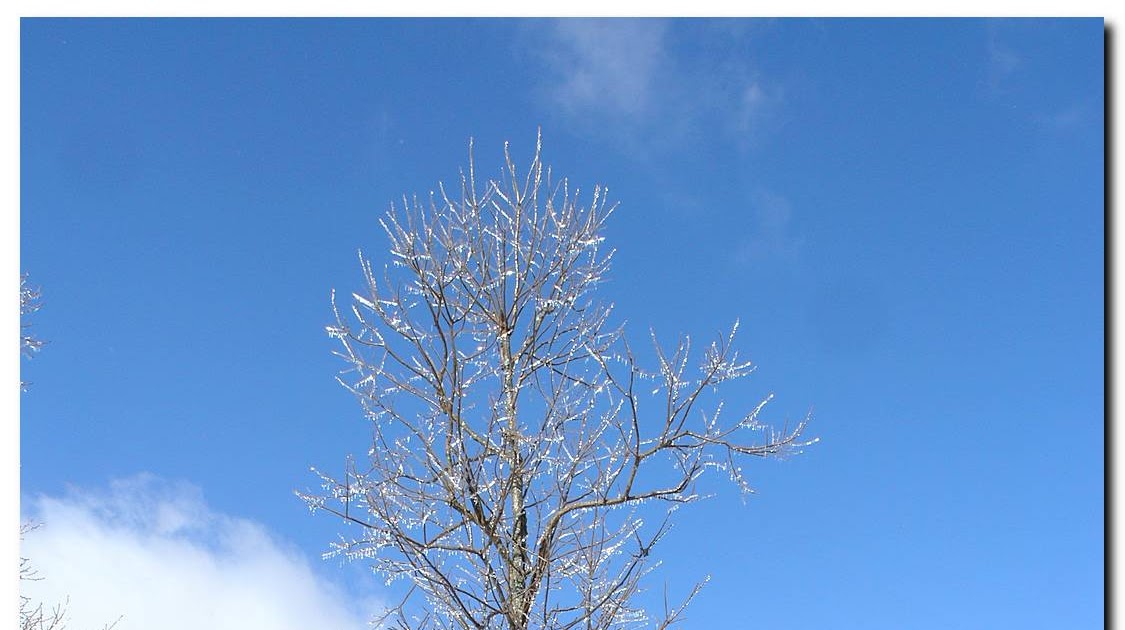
153	553
605	65
647	84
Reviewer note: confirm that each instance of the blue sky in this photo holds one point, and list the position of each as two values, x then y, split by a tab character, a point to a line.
906	215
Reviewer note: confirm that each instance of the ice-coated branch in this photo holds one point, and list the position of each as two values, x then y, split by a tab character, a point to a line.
518	444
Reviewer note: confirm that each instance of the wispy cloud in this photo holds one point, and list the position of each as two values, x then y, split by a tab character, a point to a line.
1067	118
754	110
606	66
648	81
1011	81
154	554
1001	62
772	235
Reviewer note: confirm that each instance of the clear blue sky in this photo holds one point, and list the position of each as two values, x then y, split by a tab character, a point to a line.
907	216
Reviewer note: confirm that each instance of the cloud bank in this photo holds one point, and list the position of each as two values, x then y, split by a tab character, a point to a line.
154	554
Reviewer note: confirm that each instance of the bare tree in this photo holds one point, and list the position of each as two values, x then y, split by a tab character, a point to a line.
29	303
517	441
33	616
36	616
